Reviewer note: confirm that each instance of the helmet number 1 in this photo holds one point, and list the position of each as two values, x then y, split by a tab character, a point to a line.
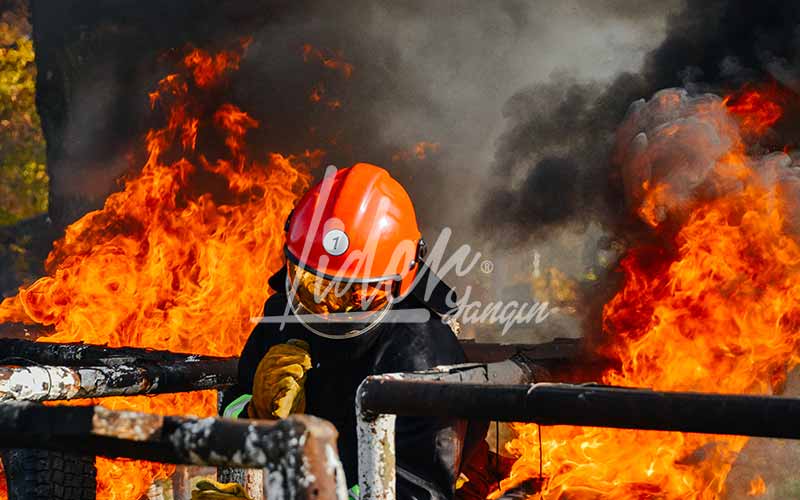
335	242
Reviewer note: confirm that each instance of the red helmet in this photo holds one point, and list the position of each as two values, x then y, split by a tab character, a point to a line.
352	246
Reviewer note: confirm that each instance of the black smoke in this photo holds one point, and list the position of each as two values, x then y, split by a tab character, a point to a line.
711	46
422	71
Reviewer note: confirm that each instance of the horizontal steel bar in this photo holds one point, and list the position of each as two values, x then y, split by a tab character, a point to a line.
38	371
586	405
556	351
50	383
79	354
95	430
299	453
19	351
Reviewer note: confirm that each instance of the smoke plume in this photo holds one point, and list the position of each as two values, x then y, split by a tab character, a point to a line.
435	73
710	46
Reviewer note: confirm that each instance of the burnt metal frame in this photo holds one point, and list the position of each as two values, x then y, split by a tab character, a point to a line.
39	371
298	454
97	371
299	467
499	391
36	371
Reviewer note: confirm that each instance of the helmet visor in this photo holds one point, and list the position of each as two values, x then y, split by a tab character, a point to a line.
336	308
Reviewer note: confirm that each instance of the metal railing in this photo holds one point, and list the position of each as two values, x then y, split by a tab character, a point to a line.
298	454
376	415
295	458
499	391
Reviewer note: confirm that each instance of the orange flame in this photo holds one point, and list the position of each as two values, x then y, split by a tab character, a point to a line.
331	60
757	487
418	151
650	210
720	313
317	91
166	264
757	110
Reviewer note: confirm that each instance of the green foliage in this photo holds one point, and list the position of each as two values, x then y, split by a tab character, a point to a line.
790	490
23	177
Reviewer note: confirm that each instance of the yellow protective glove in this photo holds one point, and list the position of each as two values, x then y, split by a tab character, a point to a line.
212	490
279	381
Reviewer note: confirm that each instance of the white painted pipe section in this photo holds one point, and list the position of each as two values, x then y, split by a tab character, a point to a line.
376	456
49	383
38	383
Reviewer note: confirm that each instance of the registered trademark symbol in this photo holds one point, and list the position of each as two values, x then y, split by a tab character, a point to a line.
487	266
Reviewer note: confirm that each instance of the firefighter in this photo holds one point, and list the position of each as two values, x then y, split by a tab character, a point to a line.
353	251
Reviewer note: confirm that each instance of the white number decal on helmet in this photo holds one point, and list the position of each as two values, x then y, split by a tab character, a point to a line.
335	242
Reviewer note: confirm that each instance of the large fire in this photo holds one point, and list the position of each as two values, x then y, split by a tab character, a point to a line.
166	264
758	109
718	312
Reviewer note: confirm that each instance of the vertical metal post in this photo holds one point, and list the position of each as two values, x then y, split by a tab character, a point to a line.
155	491
181	487
251	479
376	431
376	457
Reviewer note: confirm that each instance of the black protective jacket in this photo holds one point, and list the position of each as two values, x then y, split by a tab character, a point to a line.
428	449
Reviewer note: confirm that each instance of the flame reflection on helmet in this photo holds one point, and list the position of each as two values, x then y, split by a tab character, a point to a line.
336	308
